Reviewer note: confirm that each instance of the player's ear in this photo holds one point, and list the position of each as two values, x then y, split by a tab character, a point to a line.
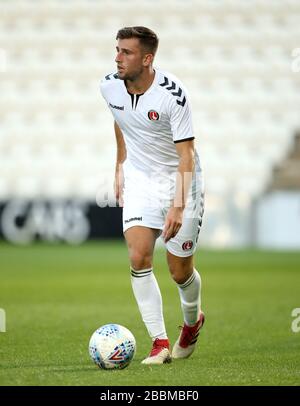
148	59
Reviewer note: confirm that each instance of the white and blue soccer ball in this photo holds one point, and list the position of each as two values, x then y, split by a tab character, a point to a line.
112	347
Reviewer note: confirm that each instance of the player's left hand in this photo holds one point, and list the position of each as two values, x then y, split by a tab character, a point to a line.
173	223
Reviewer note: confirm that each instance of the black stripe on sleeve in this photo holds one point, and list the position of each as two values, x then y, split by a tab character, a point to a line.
184	139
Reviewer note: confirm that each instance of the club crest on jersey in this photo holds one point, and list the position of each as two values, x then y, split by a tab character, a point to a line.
153	115
187	245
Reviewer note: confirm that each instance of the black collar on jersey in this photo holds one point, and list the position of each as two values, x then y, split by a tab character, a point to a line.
134	98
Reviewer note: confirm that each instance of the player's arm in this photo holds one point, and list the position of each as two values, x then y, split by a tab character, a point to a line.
186	152
121	156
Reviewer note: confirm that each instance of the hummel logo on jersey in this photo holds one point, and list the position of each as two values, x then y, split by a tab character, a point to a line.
113	106
134	219
153	115
172	86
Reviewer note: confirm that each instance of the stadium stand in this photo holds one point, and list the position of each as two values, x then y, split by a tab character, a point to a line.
286	173
235	58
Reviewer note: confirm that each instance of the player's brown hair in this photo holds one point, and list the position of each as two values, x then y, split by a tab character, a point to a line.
148	39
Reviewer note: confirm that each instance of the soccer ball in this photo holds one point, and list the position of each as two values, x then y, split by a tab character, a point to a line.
112	347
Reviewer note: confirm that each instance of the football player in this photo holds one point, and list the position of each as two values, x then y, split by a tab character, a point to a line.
159	183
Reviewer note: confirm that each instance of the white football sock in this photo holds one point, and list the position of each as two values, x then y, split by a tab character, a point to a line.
148	297
189	293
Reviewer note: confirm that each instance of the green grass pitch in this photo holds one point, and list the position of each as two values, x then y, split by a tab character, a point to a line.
55	296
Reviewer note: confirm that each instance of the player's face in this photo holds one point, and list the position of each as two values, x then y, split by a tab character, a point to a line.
130	59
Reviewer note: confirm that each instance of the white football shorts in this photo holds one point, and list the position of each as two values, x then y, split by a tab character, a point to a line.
147	200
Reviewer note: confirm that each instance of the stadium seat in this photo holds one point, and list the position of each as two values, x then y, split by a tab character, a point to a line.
235	61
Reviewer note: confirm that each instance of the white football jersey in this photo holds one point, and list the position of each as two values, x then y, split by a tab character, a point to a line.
153	122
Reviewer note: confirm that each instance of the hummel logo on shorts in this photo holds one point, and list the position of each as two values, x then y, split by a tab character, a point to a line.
134	219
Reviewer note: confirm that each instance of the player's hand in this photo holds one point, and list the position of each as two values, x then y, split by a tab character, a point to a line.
173	223
119	184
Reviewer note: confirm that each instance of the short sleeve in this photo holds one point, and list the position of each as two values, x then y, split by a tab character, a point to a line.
102	88
105	85
181	119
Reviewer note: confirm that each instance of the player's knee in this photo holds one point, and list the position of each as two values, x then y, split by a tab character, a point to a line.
139	260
